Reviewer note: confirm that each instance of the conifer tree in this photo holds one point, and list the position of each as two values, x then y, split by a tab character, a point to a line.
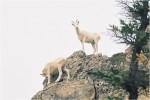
132	32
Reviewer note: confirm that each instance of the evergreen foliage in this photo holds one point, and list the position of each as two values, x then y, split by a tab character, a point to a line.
132	32
114	76
117	58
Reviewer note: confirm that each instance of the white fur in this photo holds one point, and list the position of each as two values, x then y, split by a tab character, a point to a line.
56	64
87	37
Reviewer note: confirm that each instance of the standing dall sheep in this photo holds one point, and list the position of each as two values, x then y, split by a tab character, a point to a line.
87	37
52	66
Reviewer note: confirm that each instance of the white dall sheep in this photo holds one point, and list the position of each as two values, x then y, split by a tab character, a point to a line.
53	65
87	37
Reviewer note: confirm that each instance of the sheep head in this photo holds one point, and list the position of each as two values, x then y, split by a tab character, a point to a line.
75	24
43	74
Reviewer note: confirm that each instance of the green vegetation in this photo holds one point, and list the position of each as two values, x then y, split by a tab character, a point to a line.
117	58
132	32
115	98
114	76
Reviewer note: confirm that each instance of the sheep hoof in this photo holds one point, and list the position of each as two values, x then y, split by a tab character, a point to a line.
56	81
48	83
83	50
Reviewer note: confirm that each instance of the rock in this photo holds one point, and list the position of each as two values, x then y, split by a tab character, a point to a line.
82	86
76	89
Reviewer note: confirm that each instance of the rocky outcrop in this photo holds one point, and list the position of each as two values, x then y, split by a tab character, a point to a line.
82	86
67	91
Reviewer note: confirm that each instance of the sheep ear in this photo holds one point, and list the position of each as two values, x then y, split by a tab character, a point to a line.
77	21
72	23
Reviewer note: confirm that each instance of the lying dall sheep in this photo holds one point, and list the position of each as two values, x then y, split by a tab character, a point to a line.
53	65
87	37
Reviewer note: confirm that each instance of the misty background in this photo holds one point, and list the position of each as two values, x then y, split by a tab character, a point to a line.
34	32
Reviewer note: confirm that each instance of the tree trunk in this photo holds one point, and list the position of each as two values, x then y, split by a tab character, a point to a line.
133	93
133	87
133	75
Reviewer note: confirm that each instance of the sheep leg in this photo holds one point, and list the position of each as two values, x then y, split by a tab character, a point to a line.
82	42
94	48
49	77
60	73
83	46
68	73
